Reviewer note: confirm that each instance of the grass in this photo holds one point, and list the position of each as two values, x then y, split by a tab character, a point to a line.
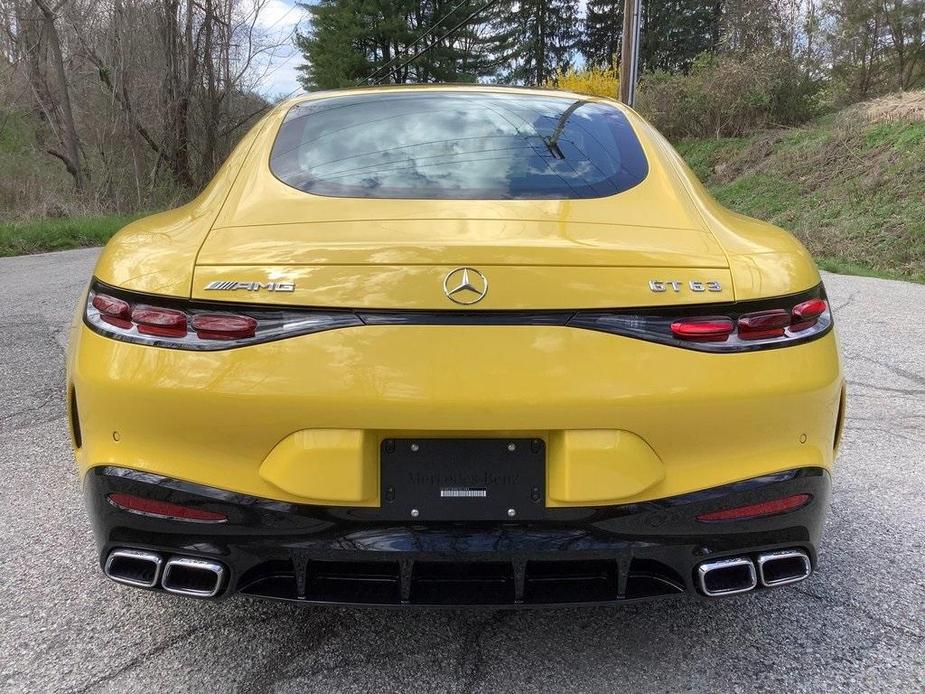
32	184
852	191
58	234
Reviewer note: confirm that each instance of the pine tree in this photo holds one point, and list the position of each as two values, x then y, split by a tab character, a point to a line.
674	32
332	49
602	35
544	36
353	40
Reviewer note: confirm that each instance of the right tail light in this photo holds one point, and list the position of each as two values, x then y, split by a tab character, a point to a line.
741	327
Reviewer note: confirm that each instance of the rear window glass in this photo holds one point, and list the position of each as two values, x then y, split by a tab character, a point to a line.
457	145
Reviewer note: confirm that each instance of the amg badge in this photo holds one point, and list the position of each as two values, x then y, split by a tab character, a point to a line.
231	285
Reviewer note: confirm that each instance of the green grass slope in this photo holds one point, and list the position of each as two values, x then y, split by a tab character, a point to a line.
40	236
851	186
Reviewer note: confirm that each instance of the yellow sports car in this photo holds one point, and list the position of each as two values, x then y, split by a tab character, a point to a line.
455	345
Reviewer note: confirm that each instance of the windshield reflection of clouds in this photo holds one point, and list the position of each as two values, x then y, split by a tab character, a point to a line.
468	145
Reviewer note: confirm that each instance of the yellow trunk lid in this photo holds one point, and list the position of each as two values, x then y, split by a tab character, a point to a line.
403	264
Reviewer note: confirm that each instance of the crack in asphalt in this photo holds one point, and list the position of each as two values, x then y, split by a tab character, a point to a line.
845	304
270	674
48	397
858	610
141	658
469	668
30	364
887	432
892	368
911	392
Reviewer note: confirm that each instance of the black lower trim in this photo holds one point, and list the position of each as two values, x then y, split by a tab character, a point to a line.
350	556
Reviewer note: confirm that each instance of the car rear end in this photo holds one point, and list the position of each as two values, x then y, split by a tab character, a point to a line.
428	389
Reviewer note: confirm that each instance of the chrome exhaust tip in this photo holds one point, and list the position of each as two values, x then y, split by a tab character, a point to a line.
199	578
783	567
727	576
133	567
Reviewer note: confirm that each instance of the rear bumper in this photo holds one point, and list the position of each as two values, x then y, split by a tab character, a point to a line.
602	555
302	420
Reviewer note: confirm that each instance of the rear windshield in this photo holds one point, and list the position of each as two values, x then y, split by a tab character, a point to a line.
457	145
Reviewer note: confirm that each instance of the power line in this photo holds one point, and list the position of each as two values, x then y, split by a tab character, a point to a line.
440	38
431	28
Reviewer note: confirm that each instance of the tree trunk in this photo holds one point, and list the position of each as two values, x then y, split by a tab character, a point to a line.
175	94
58	106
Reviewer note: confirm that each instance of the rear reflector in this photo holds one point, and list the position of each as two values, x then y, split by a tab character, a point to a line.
765	508
764	324
164	509
703	329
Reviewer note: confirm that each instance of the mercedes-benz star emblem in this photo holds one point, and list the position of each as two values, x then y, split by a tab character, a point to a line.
465	285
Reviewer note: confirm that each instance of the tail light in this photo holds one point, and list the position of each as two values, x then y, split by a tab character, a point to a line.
738	327
163	322
194	325
703	329
181	324
764	324
221	326
111	310
807	313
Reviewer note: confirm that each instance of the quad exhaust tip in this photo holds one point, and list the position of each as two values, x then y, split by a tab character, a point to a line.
734	575
783	567
199	578
727	576
134	567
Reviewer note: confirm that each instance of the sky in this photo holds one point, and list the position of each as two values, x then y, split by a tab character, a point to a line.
279	18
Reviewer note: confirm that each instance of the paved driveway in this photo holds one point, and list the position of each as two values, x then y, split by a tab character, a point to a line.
857	625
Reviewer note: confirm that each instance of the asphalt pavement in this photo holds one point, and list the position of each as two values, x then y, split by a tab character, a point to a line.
856	625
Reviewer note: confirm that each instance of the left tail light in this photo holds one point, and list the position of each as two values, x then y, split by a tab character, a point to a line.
181	324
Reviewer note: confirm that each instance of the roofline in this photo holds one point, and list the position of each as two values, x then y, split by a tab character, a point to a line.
447	87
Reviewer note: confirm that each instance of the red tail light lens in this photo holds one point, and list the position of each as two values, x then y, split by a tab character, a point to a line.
806	314
703	329
738	327
181	324
163	322
113	311
212	326
764	324
765	508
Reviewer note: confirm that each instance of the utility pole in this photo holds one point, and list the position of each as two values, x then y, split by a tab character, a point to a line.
629	56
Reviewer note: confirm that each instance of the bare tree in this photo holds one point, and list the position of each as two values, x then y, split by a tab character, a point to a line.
40	43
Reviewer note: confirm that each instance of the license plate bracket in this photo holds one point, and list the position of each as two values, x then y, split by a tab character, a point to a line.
463	479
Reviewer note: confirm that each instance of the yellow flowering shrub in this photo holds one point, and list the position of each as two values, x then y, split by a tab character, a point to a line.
595	81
